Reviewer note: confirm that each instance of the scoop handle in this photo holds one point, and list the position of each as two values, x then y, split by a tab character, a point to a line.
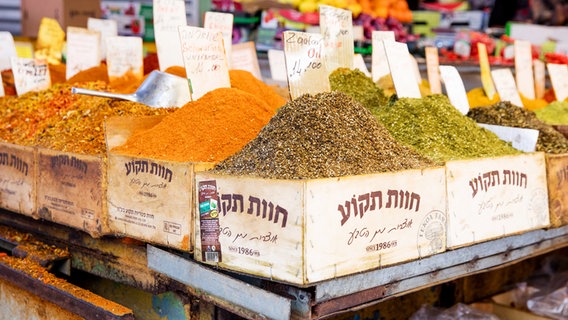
103	94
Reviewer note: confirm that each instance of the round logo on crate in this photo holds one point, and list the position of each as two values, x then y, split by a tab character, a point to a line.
539	205
431	233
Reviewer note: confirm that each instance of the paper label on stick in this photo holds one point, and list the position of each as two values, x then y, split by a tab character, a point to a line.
124	57
359	64
168	15
244	57
539	78
506	87
455	88
305	67
433	71
485	69
559	79
204	59
523	68
277	63
30	75
336	27
222	22
50	39
7	50
402	72
83	49
106	27
379	63
522	139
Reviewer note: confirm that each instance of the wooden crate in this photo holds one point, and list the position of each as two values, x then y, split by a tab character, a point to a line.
18	178
71	190
148	199
494	197
557	177
305	231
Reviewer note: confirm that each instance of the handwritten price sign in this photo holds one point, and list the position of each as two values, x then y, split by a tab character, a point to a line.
336	26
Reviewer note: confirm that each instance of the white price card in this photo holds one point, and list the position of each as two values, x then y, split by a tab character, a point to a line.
485	70
277	64
243	57
523	68
7	50
506	87
83	50
432	69
402	70
539	78
168	15
30	75
559	79
336	27
204	59
521	139
50	40
106	27
359	64
124	57
455	88
379	63
305	66
358	33
222	22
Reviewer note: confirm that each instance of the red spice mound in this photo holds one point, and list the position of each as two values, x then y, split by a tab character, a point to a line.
244	80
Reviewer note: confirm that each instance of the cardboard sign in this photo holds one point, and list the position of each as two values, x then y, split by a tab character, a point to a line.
106	27
359	64
455	88
168	16
83	50
50	39
277	63
30	75
204	59
379	63
124	58
539	78
523	68
522	139
221	22
432	68
7	50
559	78
506	87
486	80
401	68
244	57
305	66
336	26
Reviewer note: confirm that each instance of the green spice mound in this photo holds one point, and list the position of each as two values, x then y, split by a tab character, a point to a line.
555	113
439	131
326	135
356	84
506	114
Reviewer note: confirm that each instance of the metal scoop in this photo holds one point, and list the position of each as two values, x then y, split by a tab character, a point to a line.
159	90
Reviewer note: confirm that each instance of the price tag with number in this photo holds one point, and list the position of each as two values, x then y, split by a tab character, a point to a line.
506	87
7	50
523	68
559	78
106	27
244	57
485	69
336	27
433	71
455	88
124	58
50	40
277	64
204	59
83	50
222	22
306	70
379	63
402	70
30	75
168	15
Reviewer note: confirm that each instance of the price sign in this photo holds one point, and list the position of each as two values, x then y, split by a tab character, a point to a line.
359	64
559	78
506	87
124	57
83	50
106	27
7	50
520	138
204	60
277	64
401	67
305	67
244	57
168	15
379	63
539	78
50	39
485	69
221	22
523	68
336	27
455	88
30	75
433	71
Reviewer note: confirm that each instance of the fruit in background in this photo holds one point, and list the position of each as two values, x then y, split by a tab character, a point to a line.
371	24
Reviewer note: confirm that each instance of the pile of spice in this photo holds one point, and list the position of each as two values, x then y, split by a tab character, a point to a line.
439	131
506	114
209	129
555	113
326	135
357	85
477	98
246	81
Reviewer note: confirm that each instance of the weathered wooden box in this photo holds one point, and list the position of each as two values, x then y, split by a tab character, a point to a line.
494	197
557	177
148	199
71	190
18	178
305	231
